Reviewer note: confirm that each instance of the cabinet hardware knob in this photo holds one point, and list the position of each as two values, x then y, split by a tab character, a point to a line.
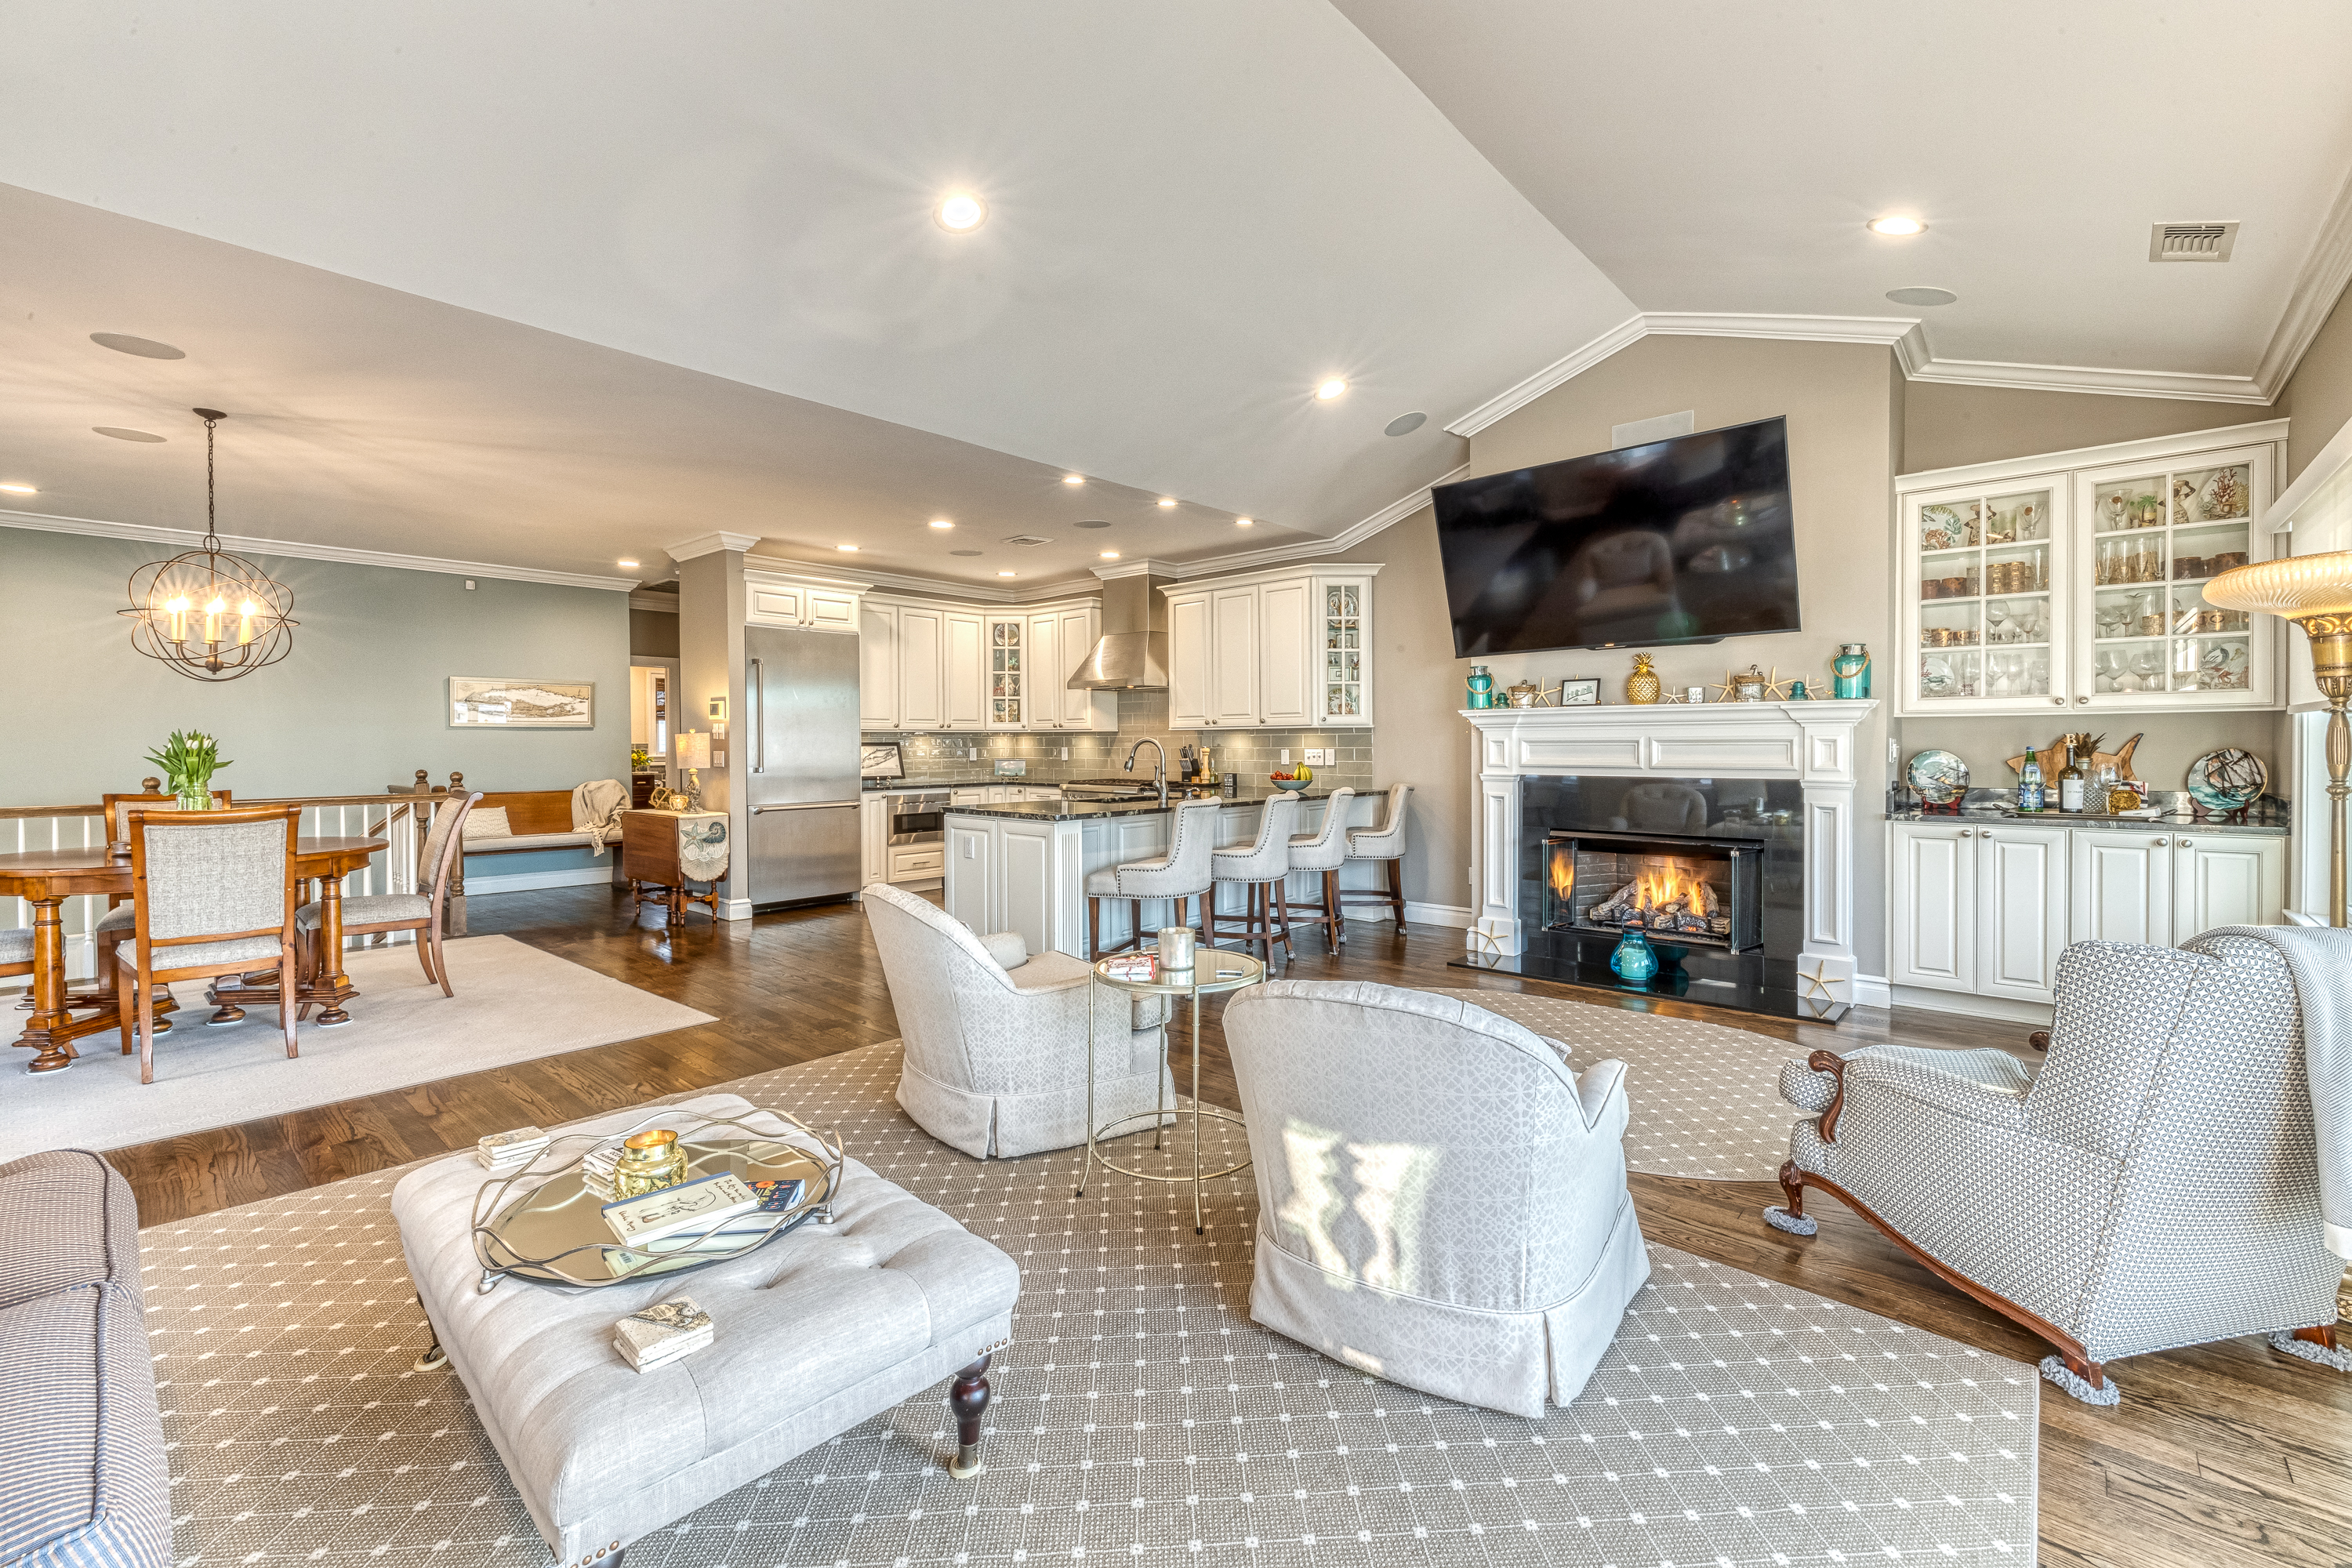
2080	701
2159	844
2058	702
2184	844
1964	833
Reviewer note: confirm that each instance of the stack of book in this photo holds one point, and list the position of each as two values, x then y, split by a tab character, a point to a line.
501	1153
663	1332
689	1218
1142	966
596	1168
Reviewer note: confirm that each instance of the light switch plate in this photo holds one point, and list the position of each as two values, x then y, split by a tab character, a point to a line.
1285	757
1318	756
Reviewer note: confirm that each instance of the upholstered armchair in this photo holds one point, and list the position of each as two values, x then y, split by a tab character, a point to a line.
1442	1201
996	1057
2155	1184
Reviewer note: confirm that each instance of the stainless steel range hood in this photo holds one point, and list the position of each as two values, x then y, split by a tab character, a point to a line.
1133	651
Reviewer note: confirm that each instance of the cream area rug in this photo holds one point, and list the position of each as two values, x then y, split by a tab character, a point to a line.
1139	1415
514	1003
1705	1099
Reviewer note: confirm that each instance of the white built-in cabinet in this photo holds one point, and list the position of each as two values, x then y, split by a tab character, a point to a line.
820	603
2076	580
1285	649
1985	910
924	665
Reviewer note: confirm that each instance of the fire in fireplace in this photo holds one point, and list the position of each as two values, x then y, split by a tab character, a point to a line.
1678	890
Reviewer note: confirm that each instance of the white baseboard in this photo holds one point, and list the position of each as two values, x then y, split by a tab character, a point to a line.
734	908
2036	1013
1454	915
1873	991
600	874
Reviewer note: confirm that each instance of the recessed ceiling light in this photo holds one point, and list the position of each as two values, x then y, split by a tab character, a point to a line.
1897	226
1921	296
630	564
1004	573
852	548
1073	479
1167	501
121	435
1331	389
942	522
145	348
1404	423
960	214
963	552
20	489
1244	522
1110	554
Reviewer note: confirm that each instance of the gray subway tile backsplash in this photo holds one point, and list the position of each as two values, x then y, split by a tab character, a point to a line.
936	757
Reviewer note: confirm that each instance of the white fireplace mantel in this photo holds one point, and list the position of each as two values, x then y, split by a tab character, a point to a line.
1812	742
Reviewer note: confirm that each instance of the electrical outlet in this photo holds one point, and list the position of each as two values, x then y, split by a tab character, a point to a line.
1285	757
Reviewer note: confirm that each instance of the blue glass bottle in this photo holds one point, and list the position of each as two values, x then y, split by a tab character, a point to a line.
1635	961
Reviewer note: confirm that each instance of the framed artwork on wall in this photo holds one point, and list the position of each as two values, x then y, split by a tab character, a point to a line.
477	701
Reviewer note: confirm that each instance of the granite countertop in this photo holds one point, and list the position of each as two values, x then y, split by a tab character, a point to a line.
1087	811
934	787
2258	823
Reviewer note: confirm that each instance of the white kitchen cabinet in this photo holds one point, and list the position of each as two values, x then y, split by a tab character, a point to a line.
878	692
873	840
1082	708
821	603
2023	883
921	661
1007	653
2075	580
1932	889
968	845
2221	879
917	863
965	669
2122	888
1283	649
1047	660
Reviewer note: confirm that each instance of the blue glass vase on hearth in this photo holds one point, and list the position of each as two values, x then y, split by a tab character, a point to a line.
1635	961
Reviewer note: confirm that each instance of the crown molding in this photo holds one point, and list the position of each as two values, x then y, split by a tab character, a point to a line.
246	544
1141	567
975	593
1348	538
2321	280
1885	329
1575	362
2180	448
710	543
2189	385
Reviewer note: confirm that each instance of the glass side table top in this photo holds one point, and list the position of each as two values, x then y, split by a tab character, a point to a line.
542	1224
1213	968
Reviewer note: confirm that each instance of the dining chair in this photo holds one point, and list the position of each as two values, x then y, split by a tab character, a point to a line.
113	927
421	911
212	892
15	951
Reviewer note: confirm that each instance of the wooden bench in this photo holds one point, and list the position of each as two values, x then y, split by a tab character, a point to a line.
541	818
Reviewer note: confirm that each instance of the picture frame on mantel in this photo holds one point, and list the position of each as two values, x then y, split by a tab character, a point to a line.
507	702
1580	692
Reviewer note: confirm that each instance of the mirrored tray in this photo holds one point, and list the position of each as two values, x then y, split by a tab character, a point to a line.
541	1224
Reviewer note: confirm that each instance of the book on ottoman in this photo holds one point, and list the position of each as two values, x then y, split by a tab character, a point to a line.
696	1205
663	1332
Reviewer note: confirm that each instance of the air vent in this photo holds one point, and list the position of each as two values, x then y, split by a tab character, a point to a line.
2192	241
1029	539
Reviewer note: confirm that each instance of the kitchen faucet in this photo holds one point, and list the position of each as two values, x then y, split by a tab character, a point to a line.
1159	768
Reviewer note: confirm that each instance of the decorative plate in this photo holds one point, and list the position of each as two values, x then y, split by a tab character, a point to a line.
2227	780
1940	777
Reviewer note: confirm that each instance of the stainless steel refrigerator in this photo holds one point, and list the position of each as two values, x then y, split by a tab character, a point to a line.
800	740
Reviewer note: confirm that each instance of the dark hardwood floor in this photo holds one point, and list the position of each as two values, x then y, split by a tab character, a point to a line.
2224	1455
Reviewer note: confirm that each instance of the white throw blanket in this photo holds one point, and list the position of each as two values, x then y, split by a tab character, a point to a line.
2320	959
596	808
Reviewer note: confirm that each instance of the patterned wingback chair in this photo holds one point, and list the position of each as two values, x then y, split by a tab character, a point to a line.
1442	1201
2155	1184
996	1057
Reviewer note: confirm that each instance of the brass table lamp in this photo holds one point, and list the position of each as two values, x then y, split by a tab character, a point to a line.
2314	591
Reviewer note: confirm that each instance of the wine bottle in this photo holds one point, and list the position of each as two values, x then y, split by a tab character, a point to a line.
2029	782
2071	780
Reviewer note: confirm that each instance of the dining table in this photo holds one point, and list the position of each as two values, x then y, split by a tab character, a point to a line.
45	879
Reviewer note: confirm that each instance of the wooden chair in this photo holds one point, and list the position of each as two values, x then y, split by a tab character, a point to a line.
420	911
212	893
113	928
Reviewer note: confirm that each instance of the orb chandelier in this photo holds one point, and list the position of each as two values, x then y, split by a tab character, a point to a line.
207	614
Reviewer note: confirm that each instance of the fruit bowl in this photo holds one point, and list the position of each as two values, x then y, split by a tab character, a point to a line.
1289	784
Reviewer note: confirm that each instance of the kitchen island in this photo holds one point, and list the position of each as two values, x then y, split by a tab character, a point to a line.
1022	866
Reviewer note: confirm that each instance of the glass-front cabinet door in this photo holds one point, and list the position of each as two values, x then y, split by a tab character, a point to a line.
2148	537
1985	607
1006	673
1343	653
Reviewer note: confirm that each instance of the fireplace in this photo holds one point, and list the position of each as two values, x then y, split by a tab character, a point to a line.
1678	890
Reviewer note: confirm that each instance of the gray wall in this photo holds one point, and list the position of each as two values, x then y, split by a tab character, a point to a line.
1945	426
360	703
2318	395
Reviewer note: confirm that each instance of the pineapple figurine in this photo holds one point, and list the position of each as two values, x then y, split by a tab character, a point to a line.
1642	686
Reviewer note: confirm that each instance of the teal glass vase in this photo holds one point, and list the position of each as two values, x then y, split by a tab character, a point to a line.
1635	961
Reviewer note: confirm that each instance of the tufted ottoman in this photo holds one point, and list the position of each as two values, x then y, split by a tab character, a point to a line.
817	1332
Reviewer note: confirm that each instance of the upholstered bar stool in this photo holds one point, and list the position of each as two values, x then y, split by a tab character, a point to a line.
1325	852
1179	876
1260	868
1386	843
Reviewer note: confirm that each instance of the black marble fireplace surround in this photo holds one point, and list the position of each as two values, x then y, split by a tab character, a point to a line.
1700	817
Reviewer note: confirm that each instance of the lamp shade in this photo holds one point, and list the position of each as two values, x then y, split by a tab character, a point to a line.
694	749
2292	587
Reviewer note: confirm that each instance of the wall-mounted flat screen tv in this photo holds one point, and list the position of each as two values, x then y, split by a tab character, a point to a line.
1686	541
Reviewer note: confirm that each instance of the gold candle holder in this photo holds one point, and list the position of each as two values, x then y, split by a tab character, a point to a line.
647	1163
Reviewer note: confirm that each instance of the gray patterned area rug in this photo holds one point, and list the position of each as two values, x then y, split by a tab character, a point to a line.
1138	1416
1705	1100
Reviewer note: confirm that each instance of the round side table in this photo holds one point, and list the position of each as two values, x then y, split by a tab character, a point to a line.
1213	970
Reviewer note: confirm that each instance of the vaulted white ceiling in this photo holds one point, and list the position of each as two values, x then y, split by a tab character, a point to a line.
546	284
